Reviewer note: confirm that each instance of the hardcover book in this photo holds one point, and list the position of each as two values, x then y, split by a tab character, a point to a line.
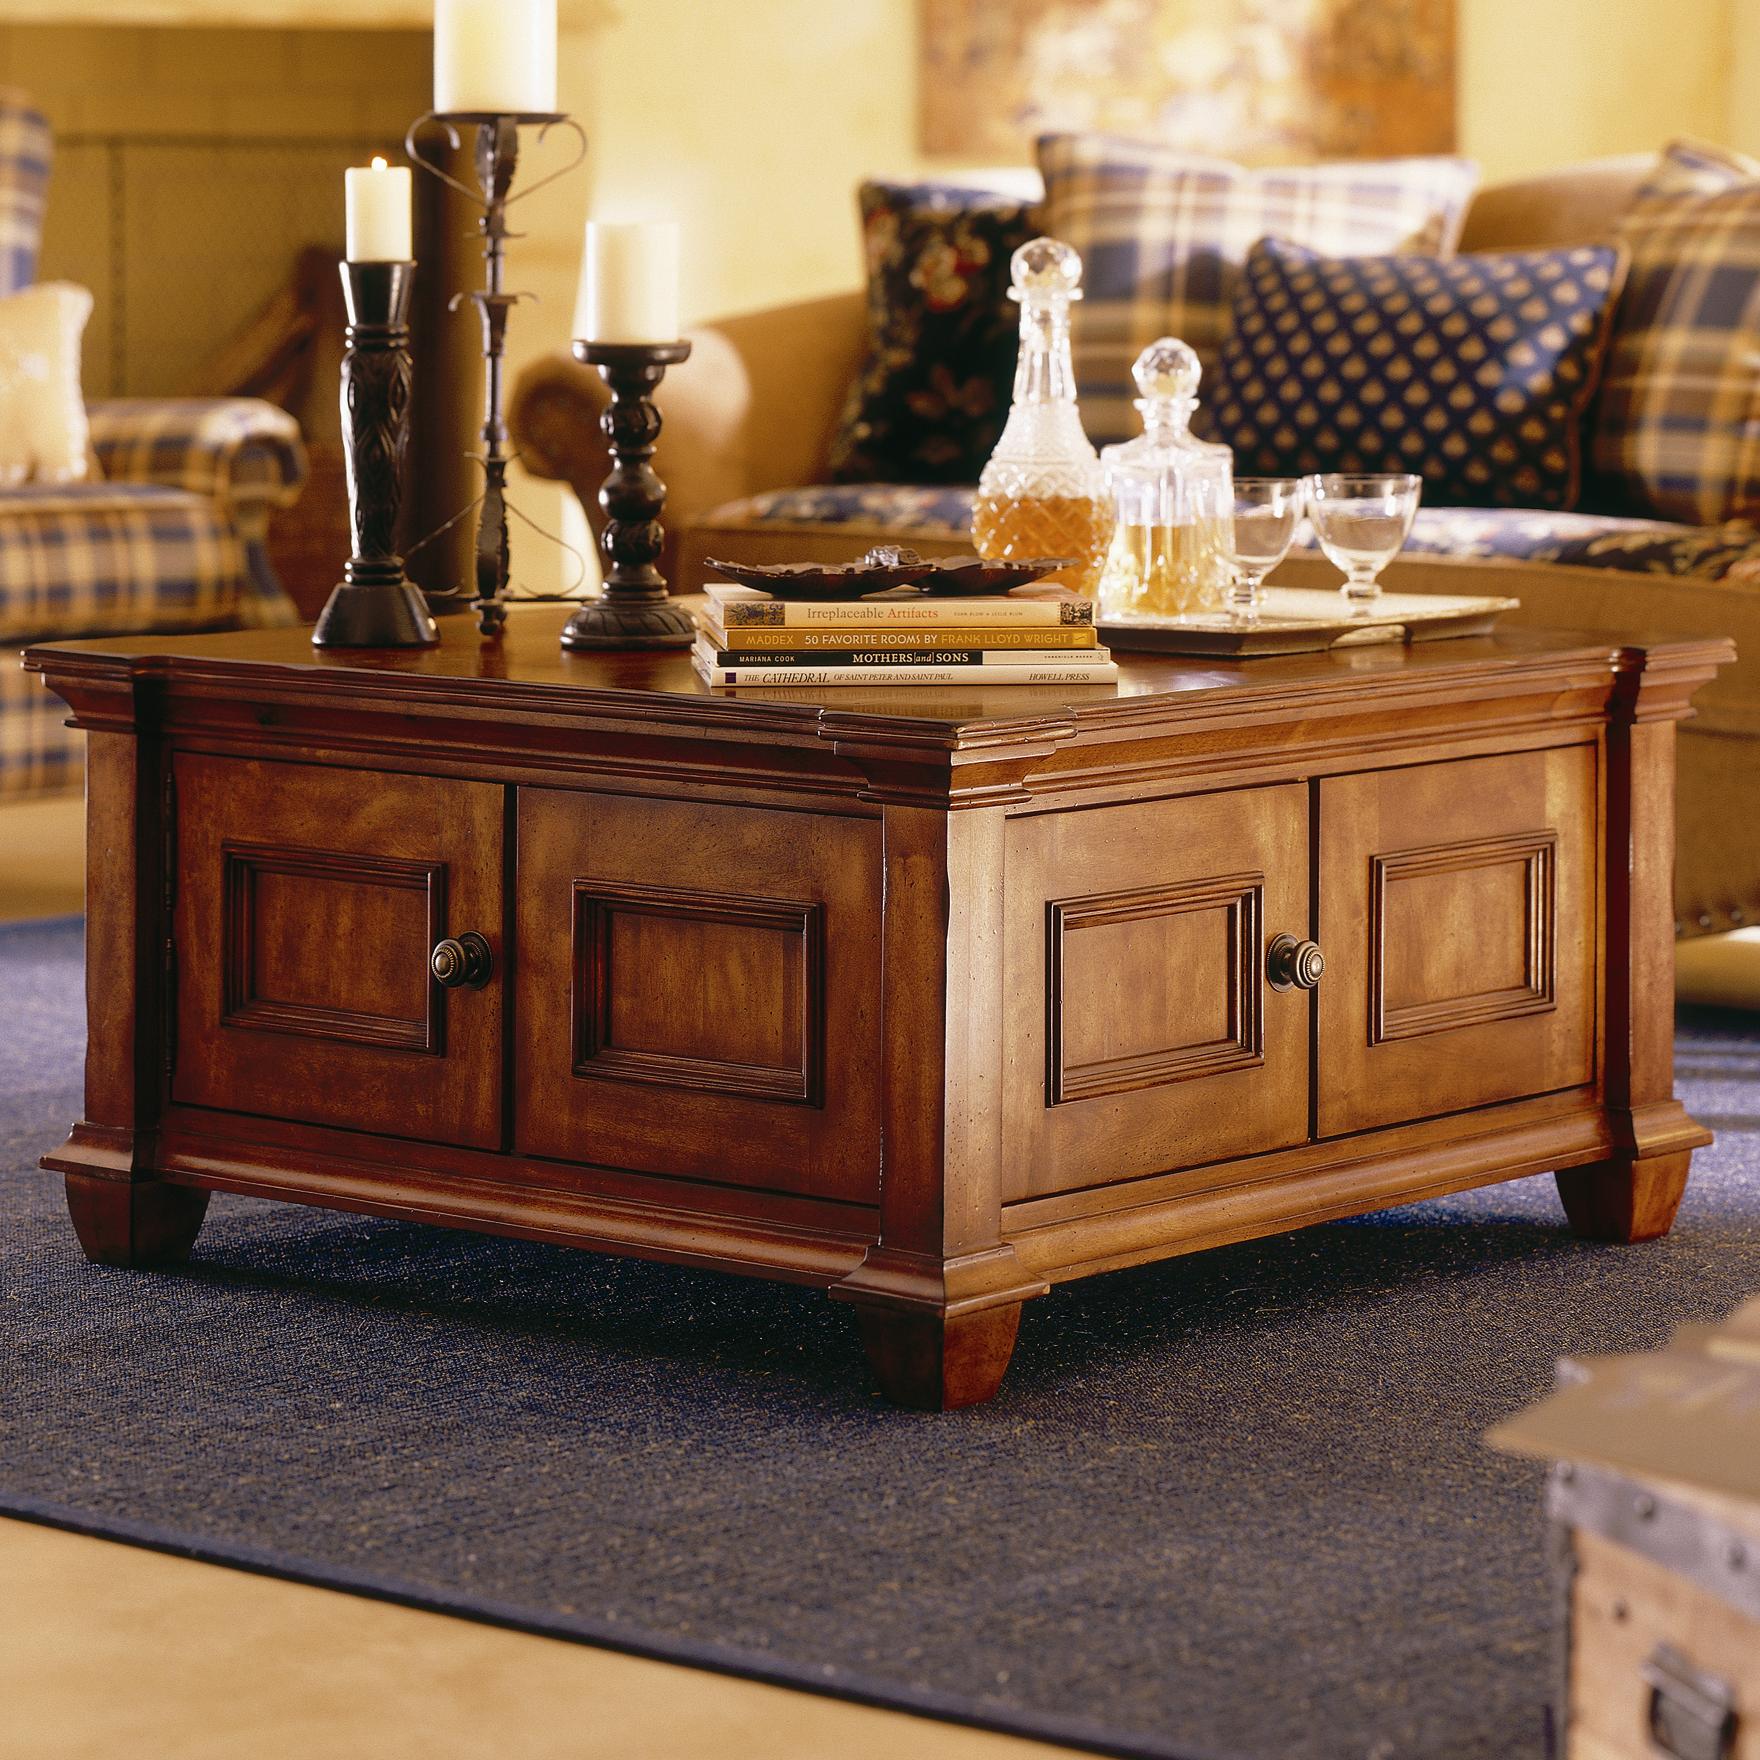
903	659
744	607
1060	672
834	638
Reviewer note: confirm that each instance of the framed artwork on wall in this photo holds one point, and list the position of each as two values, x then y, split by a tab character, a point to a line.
1266	81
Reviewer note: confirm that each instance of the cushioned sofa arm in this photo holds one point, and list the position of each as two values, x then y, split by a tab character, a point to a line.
240	451
754	408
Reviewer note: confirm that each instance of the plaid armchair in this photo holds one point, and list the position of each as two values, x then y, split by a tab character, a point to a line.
166	535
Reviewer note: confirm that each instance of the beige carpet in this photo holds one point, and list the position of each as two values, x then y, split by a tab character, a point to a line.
42	857
108	1650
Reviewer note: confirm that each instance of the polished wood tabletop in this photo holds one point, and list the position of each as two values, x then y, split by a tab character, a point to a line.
529	660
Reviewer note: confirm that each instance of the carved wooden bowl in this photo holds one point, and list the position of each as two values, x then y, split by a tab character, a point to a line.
886	568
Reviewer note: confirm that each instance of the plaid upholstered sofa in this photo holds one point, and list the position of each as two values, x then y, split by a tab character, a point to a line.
751	421
166	535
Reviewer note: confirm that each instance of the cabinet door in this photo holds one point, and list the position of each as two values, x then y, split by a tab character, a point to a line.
308	903
1457	915
1143	1033
698	991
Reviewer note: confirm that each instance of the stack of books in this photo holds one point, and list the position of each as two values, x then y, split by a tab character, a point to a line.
747	637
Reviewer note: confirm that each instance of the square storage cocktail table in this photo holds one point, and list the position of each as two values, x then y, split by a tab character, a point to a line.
933	999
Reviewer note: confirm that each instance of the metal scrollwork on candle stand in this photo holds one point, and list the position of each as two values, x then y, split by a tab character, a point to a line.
497	158
633	611
375	605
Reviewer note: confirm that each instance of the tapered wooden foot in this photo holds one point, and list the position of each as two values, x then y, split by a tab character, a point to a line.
134	1222
934	1362
1624	1199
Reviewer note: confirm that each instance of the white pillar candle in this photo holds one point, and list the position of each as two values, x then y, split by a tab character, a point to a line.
629	283
377	200
495	55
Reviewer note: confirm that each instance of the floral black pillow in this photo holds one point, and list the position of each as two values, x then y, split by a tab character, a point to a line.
929	401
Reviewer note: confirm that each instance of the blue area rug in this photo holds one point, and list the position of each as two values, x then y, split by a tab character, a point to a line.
1233	1504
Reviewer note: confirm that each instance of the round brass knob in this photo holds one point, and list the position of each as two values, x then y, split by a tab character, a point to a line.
464	963
1294	965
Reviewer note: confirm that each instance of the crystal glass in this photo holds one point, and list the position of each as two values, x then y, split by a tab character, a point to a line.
1043	492
1266	513
1171	492
1362	523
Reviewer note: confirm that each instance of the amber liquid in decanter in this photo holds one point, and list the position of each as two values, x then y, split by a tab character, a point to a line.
1006	527
1170	570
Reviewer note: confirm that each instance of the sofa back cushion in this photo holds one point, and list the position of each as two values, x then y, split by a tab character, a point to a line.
1580	204
928	402
1677	425
24	183
1473	371
1163	235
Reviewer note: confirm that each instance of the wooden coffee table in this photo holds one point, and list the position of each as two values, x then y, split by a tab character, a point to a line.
933	999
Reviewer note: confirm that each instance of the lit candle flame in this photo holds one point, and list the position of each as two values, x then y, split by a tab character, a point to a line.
378	163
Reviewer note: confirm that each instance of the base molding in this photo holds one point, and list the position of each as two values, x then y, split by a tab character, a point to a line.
892	1281
1659	1127
1318	1182
406	1189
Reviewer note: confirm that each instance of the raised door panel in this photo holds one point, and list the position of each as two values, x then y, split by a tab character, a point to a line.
308	901
1143	1033
1457	912
698	991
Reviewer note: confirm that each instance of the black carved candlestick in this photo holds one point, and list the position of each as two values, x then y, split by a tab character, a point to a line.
633	611
375	605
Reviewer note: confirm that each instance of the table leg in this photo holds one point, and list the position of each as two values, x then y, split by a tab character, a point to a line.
938	1296
1634	1193
1624	1199
134	1221
936	1363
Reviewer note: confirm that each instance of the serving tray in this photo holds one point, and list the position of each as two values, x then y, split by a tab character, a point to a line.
1303	620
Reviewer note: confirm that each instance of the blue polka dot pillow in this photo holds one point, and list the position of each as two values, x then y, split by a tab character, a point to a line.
1473	371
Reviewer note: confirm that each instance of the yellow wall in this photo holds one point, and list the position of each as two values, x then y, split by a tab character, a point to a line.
1544	82
748	121
1744	76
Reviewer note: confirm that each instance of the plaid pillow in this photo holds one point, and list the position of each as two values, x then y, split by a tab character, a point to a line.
1472	371
24	180
1676	430
1163	234
932	393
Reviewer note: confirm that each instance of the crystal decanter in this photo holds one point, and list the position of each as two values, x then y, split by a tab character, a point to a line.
1043	492
1175	498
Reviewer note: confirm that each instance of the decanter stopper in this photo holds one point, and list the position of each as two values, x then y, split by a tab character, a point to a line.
1045	269
1167	371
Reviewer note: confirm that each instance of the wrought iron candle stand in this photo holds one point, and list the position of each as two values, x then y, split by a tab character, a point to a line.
375	605
497	158
633	611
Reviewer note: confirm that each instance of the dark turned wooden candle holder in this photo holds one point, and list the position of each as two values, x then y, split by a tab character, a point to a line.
633	611
375	605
